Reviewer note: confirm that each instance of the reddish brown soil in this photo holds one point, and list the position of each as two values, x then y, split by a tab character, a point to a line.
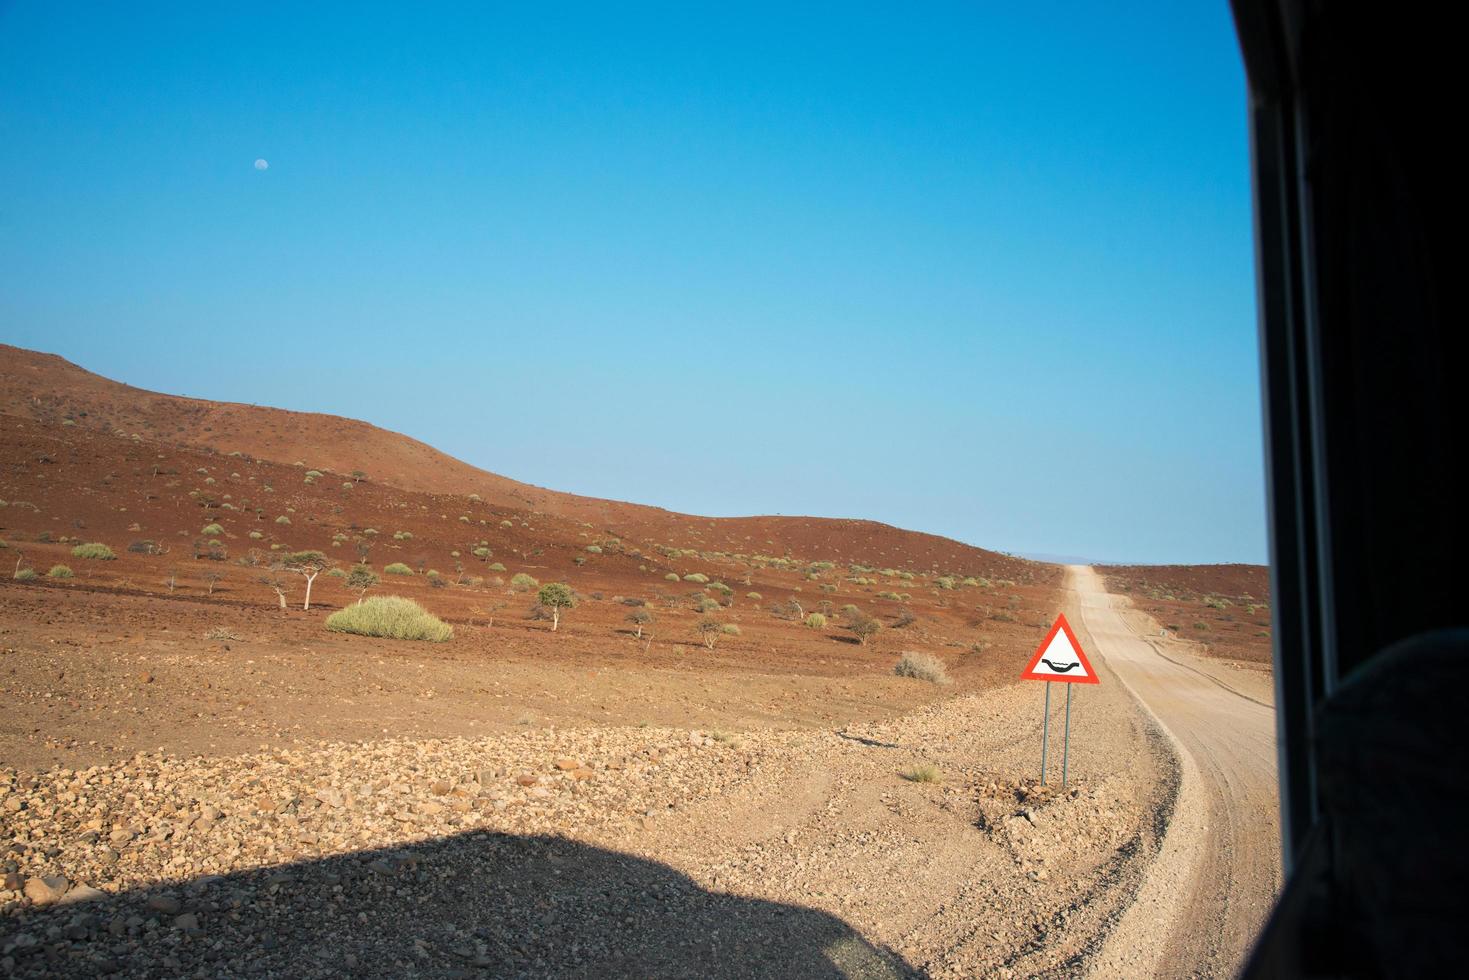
1226	608
115	660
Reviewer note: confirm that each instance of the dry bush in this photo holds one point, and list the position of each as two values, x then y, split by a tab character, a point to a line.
923	667
923	774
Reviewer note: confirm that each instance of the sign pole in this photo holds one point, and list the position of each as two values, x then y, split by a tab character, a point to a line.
1045	730
1059	658
1066	739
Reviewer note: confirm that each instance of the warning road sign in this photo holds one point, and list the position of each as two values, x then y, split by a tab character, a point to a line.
1060	658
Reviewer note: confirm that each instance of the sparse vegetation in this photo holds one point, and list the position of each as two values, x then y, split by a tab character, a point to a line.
59	571
816	621
24	575
709	630
640	617
93	550
923	667
863	627
283	519
697	577
394	617
521	582
307	564
212	529
554	597
360	579
925	773
397	568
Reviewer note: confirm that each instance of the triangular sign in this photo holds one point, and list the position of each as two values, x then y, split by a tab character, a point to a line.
1060	658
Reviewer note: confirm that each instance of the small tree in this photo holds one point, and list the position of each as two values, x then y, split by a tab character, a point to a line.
308	565
212	578
360	579
640	618
277	584
364	548
709	630
863	626
555	597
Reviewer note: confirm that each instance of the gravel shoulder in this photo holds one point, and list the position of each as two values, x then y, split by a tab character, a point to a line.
593	852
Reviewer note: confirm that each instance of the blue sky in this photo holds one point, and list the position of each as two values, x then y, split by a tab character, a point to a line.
972	269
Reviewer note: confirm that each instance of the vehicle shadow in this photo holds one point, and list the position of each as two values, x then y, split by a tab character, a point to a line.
477	904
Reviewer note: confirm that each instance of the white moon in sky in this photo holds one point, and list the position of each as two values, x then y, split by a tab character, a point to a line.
262	164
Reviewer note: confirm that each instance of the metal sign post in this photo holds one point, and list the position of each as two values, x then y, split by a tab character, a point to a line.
1045	730
1066	739
1059	658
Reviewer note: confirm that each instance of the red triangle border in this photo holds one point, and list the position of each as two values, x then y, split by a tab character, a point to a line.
1029	673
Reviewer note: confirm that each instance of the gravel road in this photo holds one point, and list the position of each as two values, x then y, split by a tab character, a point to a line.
1216	877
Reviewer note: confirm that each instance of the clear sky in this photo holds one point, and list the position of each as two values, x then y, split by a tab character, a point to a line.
977	269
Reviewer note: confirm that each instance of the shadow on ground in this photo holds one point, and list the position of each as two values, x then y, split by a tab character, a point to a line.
474	905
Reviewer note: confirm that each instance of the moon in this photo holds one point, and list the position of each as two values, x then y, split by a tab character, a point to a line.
262	164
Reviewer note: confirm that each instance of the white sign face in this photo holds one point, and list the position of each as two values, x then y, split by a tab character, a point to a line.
1060	659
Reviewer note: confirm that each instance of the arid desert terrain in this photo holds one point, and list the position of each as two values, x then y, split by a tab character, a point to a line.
708	767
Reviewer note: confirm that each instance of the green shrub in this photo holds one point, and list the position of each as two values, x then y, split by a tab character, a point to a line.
402	535
594	549
24	575
481	552
495	567
698	577
816	621
397	568
721	588
391	616
212	529
754	595
94	550
705	604
923	667
256	535
336	573
730	629
283	519
59	571
944	582
671	577
522	582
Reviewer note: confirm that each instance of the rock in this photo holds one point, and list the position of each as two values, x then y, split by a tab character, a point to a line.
82	893
166	904
145	678
441	787
429	808
567	765
44	891
14	881
582	774
189	922
526	780
330	797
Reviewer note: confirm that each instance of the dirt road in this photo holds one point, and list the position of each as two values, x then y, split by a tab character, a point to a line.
1219	869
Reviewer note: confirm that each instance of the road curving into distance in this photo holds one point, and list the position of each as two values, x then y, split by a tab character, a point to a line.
1212	885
